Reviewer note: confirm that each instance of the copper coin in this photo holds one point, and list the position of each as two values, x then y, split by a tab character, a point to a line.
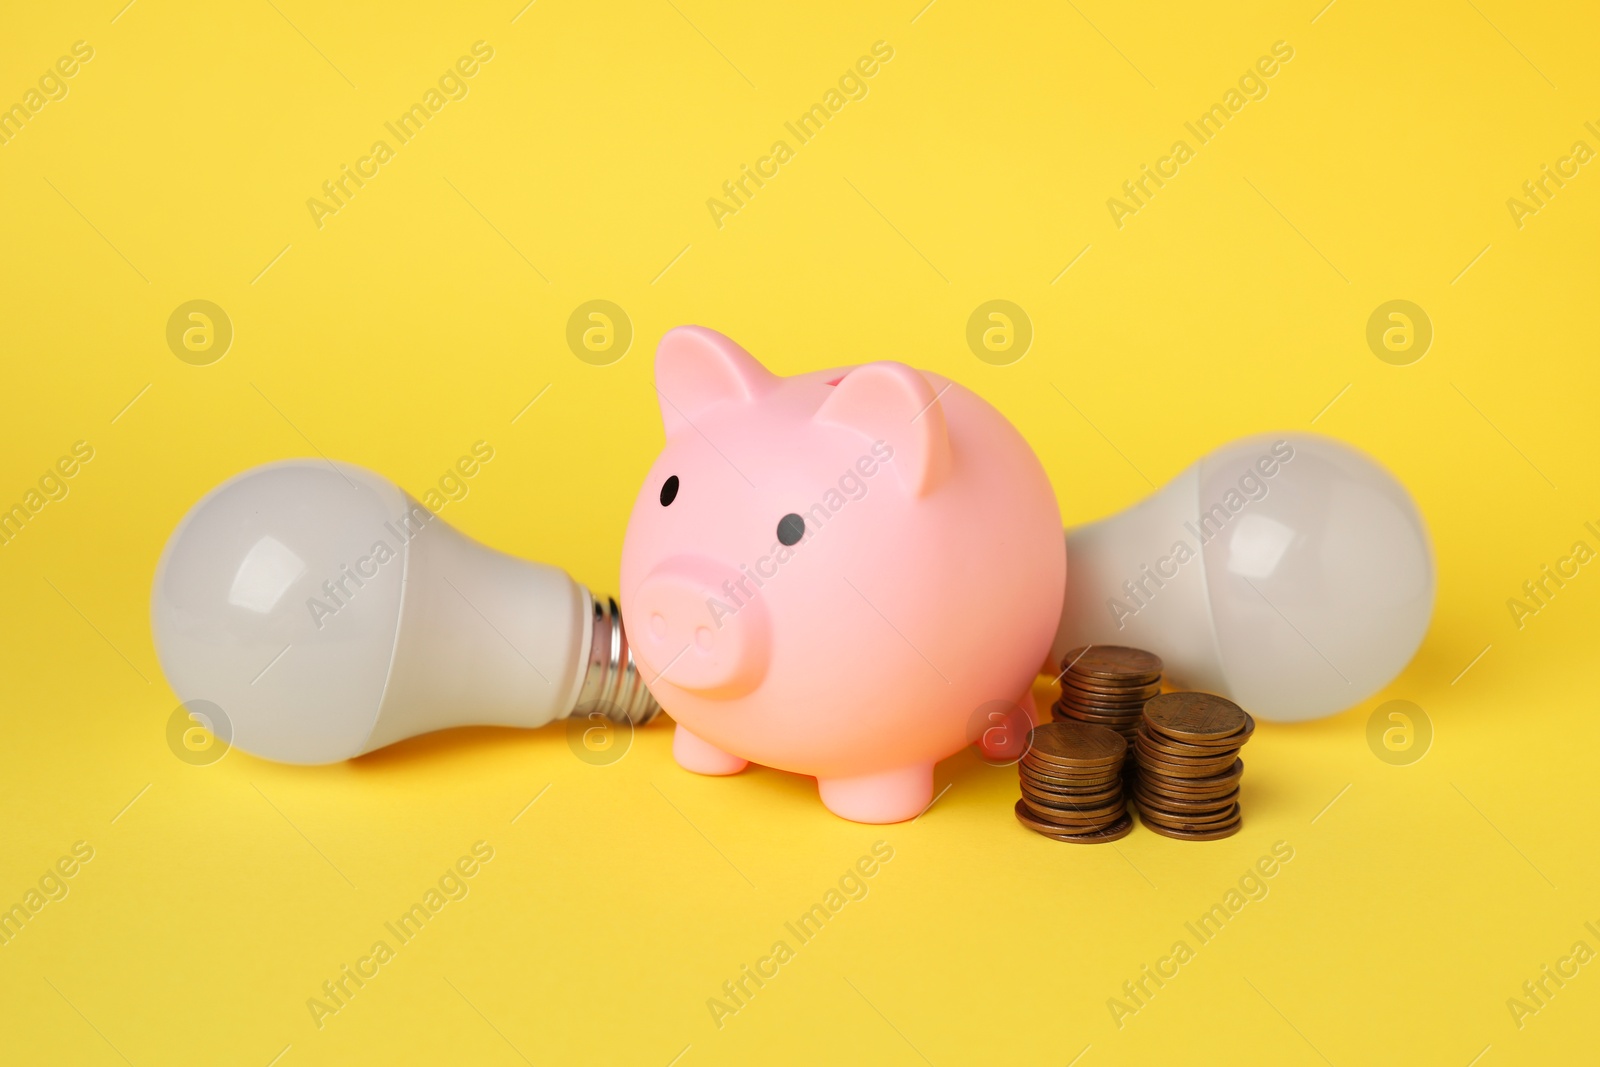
1236	740
1173	769
1114	701
1071	683
1188	820
1071	790
1218	834
1074	821
1065	775
1056	808
1194	716
1071	690
1057	795
1075	745
1208	821
1079	804
1146	749
1048	767
1165	745
1168	747
1050	823
1184	788
1098	716
1180	767
1113	661
1054	777
1171	803
1132	711
1068	776
1115	832
1196	785
1108	685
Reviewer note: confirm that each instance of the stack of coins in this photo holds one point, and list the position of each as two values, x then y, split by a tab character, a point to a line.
1072	783
1187	754
1107	685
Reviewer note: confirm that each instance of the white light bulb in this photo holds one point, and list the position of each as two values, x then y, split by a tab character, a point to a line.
1288	572
327	613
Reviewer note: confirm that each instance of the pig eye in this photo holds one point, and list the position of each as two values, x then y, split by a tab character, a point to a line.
669	490
791	528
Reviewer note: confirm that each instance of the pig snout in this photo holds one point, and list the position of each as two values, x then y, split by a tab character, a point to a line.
700	630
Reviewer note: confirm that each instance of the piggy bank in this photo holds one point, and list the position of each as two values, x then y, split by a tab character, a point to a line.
834	573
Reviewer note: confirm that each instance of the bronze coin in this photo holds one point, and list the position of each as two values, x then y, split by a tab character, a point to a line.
1210	785
1159	799
1049	824
1058	777
1069	789
1126	730
1072	691
1156	786
1107	685
1188	820
1097	716
1073	805
1174	769
1069	776
1218	762
1077	745
1231	741
1114	701
1211	820
1071	792
1131	712
1218	834
1167	802
1076	803
1194	716
1112	661
1076	821
1169	747
1083	803
1114	832
1071	683
1134	708
1051	765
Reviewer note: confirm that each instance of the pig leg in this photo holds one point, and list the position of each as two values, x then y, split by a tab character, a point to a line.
702	757
889	796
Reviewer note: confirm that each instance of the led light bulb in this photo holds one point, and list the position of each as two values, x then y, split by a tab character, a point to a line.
1288	572
327	613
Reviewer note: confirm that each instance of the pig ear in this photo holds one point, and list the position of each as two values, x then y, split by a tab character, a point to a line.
892	403
697	368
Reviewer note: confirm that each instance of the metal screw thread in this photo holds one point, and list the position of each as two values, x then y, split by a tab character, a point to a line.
612	684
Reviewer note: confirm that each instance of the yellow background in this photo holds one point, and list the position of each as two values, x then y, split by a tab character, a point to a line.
416	322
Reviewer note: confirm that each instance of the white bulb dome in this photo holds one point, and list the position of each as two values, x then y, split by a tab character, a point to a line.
1288	572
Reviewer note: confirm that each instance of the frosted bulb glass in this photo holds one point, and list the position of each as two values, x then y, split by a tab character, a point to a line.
1288	572
327	613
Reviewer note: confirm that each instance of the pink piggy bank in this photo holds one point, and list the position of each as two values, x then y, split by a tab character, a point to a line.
834	574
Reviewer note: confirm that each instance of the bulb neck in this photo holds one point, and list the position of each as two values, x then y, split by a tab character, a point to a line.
612	684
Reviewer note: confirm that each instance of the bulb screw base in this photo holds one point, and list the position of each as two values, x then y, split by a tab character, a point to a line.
612	684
